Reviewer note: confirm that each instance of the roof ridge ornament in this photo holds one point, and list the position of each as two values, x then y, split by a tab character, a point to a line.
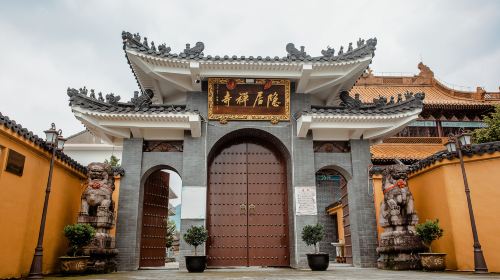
142	101
164	49
363	48
360	42
195	51
329	52
112	99
293	52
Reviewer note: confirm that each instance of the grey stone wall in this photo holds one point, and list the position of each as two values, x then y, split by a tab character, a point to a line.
354	167
303	175
194	169
361	207
127	225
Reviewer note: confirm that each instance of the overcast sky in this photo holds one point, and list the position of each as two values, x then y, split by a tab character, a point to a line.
47	46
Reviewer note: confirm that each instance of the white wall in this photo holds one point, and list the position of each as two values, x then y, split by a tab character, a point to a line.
85	154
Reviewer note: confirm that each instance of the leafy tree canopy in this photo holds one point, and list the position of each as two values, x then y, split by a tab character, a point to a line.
490	133
195	236
429	231
113	161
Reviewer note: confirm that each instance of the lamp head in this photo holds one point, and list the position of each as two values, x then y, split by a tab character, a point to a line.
51	134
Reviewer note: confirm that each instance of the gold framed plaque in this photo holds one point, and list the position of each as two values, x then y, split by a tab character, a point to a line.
248	99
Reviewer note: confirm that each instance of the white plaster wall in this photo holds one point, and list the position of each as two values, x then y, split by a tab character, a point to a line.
84	156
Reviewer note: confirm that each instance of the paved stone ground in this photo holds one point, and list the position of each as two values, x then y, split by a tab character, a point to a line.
337	273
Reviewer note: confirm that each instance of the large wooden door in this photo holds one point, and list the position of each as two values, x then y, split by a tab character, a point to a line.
154	215
247	207
347	223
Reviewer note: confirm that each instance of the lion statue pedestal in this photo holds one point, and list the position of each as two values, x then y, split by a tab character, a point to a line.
399	245
97	210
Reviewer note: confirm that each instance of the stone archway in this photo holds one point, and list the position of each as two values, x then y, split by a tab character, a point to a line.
247	203
331	194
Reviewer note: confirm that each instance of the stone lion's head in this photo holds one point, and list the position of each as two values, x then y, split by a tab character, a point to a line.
98	170
394	173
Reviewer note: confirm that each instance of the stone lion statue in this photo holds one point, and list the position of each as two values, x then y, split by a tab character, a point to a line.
99	190
397	209
399	245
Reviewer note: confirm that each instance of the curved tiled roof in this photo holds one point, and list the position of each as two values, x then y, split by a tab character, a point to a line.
433	95
391	151
378	106
477	149
79	98
133	42
37	141
437	94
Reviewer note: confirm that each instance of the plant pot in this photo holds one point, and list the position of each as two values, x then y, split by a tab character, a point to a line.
318	262
196	263
73	265
433	261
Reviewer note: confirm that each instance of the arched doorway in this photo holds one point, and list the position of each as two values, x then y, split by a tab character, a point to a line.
247	209
156	211
332	200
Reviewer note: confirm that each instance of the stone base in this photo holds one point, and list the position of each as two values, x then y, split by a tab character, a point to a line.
102	264
399	250
399	261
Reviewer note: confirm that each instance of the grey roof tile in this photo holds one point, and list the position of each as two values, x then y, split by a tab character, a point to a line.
353	106
133	41
30	136
138	104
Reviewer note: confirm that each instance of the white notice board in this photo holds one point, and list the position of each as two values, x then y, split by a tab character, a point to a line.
305	201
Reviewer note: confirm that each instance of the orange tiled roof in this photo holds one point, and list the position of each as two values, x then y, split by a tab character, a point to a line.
404	151
433	95
370	87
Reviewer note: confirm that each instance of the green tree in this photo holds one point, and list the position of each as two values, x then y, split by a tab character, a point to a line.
79	235
113	161
311	235
171	231
429	231
492	131
195	236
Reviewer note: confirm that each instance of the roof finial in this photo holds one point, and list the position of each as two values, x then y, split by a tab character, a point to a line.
196	50
294	52
329	52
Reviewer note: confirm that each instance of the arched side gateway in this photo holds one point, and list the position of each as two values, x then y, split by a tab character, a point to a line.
332	195
156	193
247	203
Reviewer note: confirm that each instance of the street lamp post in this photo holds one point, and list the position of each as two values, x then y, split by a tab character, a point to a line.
455	144
55	140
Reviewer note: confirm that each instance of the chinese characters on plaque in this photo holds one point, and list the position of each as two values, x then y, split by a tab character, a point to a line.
235	99
305	201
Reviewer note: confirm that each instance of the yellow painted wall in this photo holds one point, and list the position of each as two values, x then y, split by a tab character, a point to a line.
22	204
340	223
116	192
438	191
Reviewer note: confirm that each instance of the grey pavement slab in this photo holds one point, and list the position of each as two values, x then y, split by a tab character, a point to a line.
337	273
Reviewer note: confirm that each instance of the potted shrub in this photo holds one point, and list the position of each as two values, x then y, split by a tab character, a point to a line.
78	235
428	232
311	235
195	236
